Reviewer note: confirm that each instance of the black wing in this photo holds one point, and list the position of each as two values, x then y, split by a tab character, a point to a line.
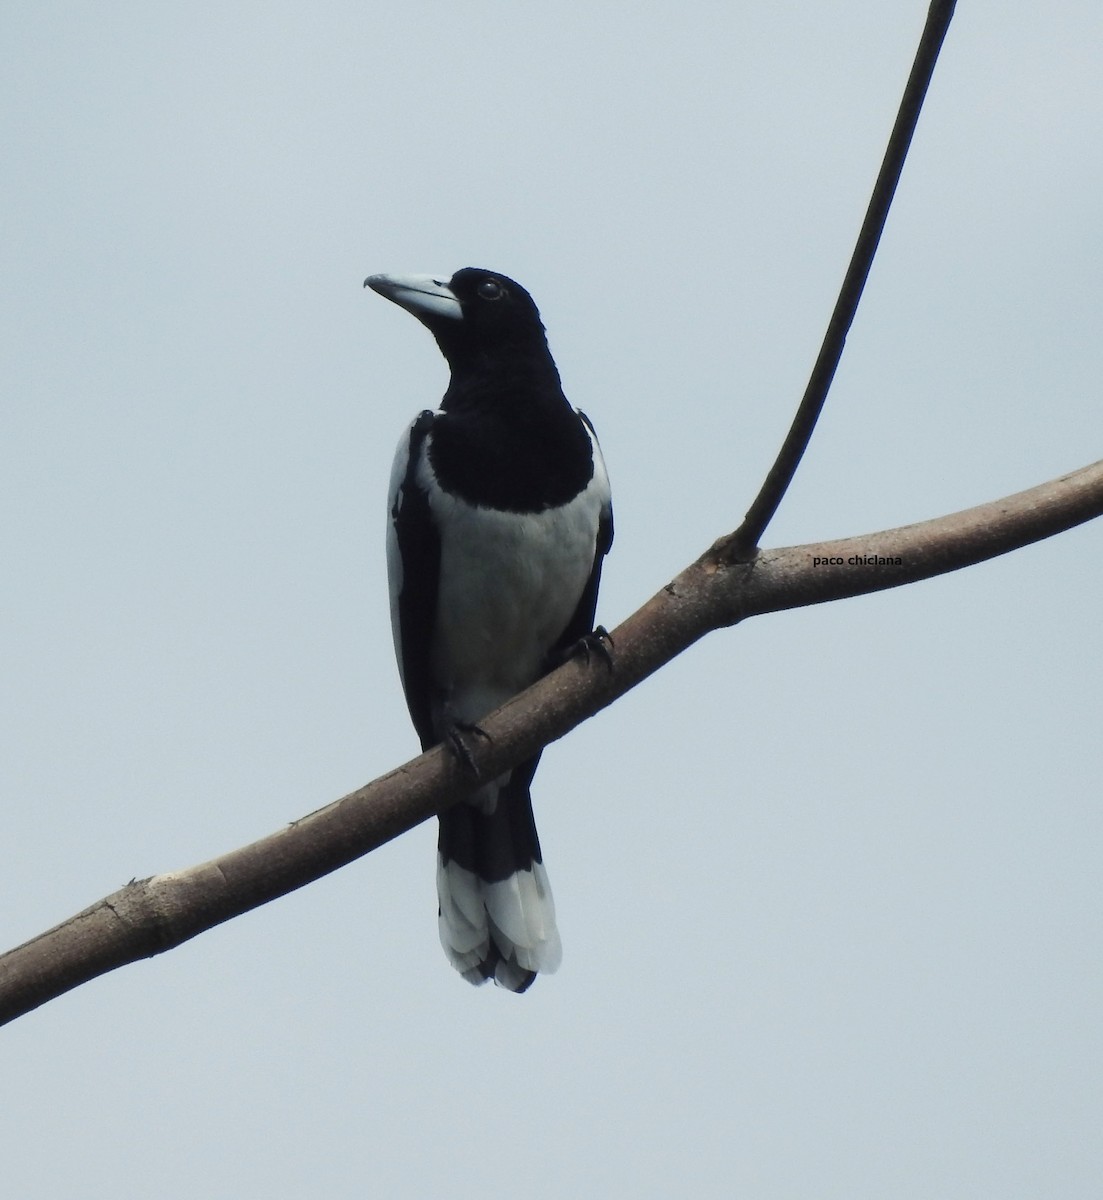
582	622
415	578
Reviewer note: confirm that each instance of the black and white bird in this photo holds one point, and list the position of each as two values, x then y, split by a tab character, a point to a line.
500	517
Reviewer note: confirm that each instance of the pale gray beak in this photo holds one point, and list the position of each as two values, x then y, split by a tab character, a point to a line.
422	295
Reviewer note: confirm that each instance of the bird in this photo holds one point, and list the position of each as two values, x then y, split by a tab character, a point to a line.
500	517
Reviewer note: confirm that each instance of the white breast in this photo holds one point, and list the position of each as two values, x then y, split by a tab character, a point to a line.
509	584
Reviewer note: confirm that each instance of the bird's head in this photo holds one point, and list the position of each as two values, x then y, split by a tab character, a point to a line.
478	317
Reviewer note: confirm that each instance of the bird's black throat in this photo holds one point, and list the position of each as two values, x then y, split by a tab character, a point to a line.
522	452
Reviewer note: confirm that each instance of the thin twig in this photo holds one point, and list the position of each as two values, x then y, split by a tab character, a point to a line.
761	512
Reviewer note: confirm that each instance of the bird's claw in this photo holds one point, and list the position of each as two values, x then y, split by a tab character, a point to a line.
598	644
456	741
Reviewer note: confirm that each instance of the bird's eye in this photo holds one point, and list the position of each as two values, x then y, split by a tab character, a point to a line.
490	289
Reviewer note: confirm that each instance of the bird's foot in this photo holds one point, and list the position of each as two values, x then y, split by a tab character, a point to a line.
598	644
457	741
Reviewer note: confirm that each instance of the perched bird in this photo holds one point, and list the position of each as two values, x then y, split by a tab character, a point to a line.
500	517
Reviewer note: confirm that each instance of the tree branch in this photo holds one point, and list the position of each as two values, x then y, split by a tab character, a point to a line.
150	916
780	475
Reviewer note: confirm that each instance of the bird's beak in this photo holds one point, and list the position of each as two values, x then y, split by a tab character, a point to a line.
422	295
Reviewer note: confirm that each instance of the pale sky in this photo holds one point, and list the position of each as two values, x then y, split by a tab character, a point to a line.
828	885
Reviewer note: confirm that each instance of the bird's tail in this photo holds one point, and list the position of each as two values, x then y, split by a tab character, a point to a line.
497	917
